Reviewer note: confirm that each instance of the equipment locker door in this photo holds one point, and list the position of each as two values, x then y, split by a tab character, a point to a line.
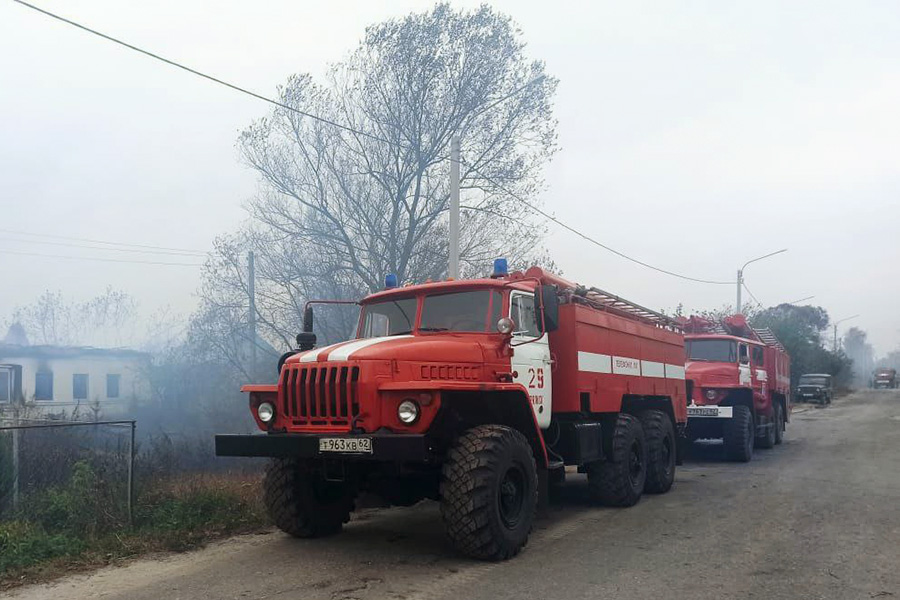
531	356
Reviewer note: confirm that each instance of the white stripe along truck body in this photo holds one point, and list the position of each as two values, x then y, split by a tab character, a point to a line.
674	371
653	369
592	362
344	350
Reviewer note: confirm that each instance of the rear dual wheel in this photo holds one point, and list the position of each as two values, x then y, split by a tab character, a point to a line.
620	479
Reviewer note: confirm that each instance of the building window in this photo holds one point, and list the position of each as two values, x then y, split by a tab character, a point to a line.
43	385
80	386
112	386
5	385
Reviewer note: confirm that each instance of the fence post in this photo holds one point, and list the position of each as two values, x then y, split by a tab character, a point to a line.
15	460
131	475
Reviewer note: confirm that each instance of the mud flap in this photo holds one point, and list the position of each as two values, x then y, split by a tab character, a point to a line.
682	443
543	507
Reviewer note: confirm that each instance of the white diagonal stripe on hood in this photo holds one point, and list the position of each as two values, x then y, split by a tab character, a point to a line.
313	354
344	351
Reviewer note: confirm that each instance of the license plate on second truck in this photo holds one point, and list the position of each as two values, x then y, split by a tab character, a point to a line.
346	445
709	411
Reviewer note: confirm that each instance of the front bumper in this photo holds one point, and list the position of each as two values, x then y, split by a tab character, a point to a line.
415	448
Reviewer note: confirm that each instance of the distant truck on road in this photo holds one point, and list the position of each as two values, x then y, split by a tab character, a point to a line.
739	383
476	393
885	379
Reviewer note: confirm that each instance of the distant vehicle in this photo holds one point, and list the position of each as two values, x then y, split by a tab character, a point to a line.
885	379
739	385
815	387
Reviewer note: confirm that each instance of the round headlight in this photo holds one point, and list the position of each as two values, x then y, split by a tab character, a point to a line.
408	412
710	394
505	325
266	412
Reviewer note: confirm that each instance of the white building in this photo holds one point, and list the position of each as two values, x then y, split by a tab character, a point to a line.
73	381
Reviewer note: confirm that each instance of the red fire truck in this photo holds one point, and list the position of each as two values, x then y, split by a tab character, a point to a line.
476	393
739	383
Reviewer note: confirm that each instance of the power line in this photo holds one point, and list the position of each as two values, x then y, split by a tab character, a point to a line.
587	237
100	248
113	260
92	241
755	299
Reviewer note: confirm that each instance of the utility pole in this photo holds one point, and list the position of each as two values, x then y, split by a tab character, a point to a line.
251	267
740	277
834	348
454	206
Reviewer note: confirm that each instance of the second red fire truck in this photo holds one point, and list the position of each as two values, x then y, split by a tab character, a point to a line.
739	383
475	393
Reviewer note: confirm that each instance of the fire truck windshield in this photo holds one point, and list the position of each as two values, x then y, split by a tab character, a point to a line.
712	350
472	311
391	317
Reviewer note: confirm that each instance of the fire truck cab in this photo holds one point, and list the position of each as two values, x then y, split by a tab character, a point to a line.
738	379
475	393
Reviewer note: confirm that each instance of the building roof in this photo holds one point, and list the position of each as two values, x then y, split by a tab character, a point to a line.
16	350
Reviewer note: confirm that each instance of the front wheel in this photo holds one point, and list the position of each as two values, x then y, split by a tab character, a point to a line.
489	492
739	434
302	503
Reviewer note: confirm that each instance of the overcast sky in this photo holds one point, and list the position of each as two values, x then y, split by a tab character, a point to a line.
694	136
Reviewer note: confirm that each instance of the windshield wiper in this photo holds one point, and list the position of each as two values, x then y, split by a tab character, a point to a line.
434	329
400	332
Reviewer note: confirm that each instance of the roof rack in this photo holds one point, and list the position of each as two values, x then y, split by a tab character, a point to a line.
602	300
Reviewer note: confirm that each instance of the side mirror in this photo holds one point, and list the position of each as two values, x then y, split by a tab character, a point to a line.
545	297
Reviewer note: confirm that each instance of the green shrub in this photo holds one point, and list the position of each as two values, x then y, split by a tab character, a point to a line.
24	544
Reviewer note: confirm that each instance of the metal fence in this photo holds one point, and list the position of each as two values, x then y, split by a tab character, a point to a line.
48	466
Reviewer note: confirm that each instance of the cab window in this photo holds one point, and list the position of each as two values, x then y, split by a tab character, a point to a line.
743	358
523	314
758	356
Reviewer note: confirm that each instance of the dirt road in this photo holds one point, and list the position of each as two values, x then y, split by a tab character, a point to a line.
818	517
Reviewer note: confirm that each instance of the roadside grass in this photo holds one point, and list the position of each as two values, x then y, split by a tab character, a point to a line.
75	526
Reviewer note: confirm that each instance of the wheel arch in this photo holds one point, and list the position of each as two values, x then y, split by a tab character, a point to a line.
461	410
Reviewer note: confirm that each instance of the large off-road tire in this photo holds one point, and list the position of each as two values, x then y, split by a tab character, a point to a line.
738	435
779	423
661	451
302	503
767	440
619	480
489	492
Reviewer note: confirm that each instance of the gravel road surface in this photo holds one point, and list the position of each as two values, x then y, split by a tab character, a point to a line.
817	517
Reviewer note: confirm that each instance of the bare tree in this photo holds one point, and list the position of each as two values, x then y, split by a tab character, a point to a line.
105	320
337	209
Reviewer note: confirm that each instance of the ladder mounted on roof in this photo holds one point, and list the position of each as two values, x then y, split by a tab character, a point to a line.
765	335
602	300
